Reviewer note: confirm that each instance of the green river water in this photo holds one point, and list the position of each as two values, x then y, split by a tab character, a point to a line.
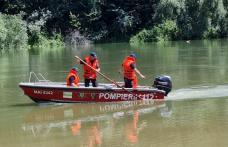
195	113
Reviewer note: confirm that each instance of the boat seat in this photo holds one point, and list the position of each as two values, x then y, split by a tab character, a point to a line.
108	87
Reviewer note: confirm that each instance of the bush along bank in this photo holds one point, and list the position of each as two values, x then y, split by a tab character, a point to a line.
17	34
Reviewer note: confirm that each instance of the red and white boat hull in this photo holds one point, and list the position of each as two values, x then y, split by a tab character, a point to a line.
59	92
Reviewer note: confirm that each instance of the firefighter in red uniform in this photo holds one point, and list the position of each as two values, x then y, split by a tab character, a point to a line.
73	78
89	74
129	71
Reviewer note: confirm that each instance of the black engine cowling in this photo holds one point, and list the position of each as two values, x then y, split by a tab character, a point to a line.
163	83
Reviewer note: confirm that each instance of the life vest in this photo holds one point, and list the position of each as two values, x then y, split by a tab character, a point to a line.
88	72
76	78
129	73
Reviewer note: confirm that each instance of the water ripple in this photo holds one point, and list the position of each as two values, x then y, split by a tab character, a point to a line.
197	92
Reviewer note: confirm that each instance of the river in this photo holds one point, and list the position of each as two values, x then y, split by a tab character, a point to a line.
195	113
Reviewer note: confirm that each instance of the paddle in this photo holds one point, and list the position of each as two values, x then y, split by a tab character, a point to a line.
104	76
107	78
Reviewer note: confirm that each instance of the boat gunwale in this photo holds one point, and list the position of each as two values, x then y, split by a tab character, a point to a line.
100	88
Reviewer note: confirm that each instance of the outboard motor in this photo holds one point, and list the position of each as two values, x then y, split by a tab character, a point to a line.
163	83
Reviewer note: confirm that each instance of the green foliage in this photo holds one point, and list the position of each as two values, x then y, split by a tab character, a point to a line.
167	10
37	35
3	32
35	22
125	21
142	36
202	19
13	33
54	42
74	21
162	32
117	20
211	33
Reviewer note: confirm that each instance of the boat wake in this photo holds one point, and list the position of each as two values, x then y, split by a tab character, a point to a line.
199	92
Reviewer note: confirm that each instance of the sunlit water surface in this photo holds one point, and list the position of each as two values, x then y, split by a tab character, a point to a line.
194	114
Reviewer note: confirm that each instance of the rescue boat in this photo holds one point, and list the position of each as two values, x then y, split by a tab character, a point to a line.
46	91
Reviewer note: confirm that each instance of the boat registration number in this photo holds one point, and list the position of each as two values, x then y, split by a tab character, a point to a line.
43	92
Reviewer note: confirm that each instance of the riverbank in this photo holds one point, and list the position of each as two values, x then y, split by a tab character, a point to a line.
97	21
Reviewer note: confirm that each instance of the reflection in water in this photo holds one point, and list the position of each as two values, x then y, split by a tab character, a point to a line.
132	128
92	121
75	127
94	136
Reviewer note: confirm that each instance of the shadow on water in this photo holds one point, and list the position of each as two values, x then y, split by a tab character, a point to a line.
23	104
199	92
38	105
